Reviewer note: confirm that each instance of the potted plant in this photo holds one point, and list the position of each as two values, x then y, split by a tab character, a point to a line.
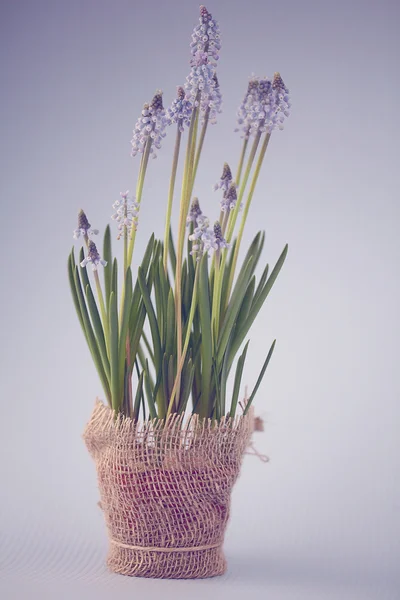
168	442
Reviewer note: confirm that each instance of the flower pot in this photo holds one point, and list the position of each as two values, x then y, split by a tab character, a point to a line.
165	490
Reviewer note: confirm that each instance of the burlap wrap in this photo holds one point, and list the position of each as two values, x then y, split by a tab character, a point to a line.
165	491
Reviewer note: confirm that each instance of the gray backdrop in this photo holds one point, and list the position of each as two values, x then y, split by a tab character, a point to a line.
321	520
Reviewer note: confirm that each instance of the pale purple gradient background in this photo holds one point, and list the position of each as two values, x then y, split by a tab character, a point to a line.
322	520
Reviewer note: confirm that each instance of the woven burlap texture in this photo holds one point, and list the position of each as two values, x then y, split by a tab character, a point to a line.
165	490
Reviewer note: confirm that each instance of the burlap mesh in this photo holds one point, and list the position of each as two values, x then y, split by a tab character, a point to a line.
165	490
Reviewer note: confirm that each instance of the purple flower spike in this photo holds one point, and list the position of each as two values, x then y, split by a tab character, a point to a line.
202	84
219	241
194	213
247	113
281	101
206	37
126	214
213	102
229	200
150	125
180	110
226	179
273	104
93	257
84	227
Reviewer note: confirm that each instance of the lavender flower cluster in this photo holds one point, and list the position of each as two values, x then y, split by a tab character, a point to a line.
150	125
264	107
180	110
205	238
226	183
202	83
126	214
84	228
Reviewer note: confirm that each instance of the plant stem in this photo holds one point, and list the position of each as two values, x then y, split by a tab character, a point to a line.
240	167
139	191
103	311
215	304
231	220
171	197
246	210
184	206
234	213
185	347
126	240
200	147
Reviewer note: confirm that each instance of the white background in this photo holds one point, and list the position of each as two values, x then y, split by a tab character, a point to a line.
321	520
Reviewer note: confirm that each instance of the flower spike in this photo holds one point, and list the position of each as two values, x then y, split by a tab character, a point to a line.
150	126
93	257
84	228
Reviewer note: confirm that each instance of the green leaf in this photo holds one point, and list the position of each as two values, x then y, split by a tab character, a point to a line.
138	397
253	251
107	255
114	355
92	343
126	309
224	375
155	333
206	344
260	377
71	269
261	284
171	250
83	270
247	301
238	381
186	386
256	306
149	395
170	341
235	303
159	301
98	329
114	280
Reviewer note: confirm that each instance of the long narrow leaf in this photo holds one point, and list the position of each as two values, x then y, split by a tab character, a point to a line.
233	309
172	253
98	329
114	354
91	339
244	327
107	255
138	397
238	381
126	309
260	377
206	344
155	333
71	269
149	395
114	280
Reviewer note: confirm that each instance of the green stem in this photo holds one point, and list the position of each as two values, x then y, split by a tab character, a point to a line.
139	191
171	197
184	206
126	243
240	167
103	311
234	213
186	345
200	148
246	210
215	304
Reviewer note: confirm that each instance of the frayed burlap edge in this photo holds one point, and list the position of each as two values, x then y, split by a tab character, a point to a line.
165	490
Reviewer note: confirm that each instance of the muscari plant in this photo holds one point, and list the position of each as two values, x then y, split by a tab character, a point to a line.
173	332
